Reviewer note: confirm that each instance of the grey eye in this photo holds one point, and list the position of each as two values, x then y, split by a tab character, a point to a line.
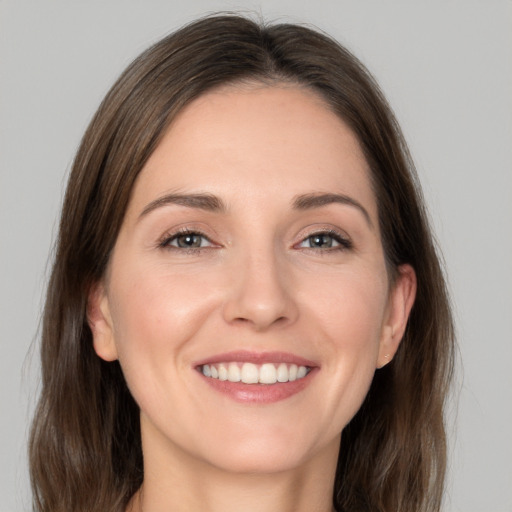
320	241
189	240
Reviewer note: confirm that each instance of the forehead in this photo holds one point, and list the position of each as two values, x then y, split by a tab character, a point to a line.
258	143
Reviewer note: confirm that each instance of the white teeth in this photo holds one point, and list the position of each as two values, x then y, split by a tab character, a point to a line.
301	372
268	374
223	372
249	373
234	374
282	373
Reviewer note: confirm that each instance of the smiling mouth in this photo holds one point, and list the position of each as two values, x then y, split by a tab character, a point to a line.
250	373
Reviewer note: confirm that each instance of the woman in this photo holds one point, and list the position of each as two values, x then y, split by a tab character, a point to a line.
246	310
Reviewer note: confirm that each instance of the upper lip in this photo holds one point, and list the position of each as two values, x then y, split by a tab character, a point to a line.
247	356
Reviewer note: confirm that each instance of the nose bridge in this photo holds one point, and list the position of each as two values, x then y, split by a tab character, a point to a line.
261	292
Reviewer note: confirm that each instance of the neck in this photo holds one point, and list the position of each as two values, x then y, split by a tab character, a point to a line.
176	482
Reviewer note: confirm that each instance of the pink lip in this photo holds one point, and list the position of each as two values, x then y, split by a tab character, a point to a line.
258	393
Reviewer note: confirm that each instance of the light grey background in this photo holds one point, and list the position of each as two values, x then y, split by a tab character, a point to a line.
446	67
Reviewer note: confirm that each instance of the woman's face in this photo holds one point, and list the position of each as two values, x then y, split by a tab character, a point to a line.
250	250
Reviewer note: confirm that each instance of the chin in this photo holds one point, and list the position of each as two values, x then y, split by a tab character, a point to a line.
264	453
256	462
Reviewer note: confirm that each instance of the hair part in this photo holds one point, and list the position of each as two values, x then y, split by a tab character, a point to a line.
85	447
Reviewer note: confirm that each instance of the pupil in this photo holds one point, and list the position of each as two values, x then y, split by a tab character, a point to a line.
189	241
321	241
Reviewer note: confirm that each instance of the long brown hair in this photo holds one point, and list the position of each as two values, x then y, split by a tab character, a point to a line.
85	447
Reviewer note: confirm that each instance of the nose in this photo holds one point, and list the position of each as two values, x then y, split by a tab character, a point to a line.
261	295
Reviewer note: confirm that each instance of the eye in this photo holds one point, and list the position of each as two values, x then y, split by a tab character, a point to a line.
186	240
326	240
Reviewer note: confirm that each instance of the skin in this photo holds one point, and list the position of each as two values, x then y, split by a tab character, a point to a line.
259	284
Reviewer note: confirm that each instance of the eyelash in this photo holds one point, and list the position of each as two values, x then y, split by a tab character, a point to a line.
343	242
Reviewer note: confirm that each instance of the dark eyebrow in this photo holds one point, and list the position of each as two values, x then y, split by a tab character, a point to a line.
206	202
316	200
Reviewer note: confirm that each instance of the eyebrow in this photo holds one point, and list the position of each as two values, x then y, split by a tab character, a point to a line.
317	200
212	203
206	202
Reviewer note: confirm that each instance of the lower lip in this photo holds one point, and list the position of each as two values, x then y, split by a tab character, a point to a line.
259	393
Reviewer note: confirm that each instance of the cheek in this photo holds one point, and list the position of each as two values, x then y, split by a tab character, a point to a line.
155	315
162	305
349	321
351	308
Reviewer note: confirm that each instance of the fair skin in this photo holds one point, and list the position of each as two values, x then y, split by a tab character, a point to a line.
262	273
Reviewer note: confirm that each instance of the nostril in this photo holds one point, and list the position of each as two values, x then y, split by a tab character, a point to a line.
260	324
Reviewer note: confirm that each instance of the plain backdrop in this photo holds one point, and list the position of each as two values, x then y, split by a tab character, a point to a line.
446	67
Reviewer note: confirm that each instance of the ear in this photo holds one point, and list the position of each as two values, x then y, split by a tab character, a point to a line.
401	300
100	322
